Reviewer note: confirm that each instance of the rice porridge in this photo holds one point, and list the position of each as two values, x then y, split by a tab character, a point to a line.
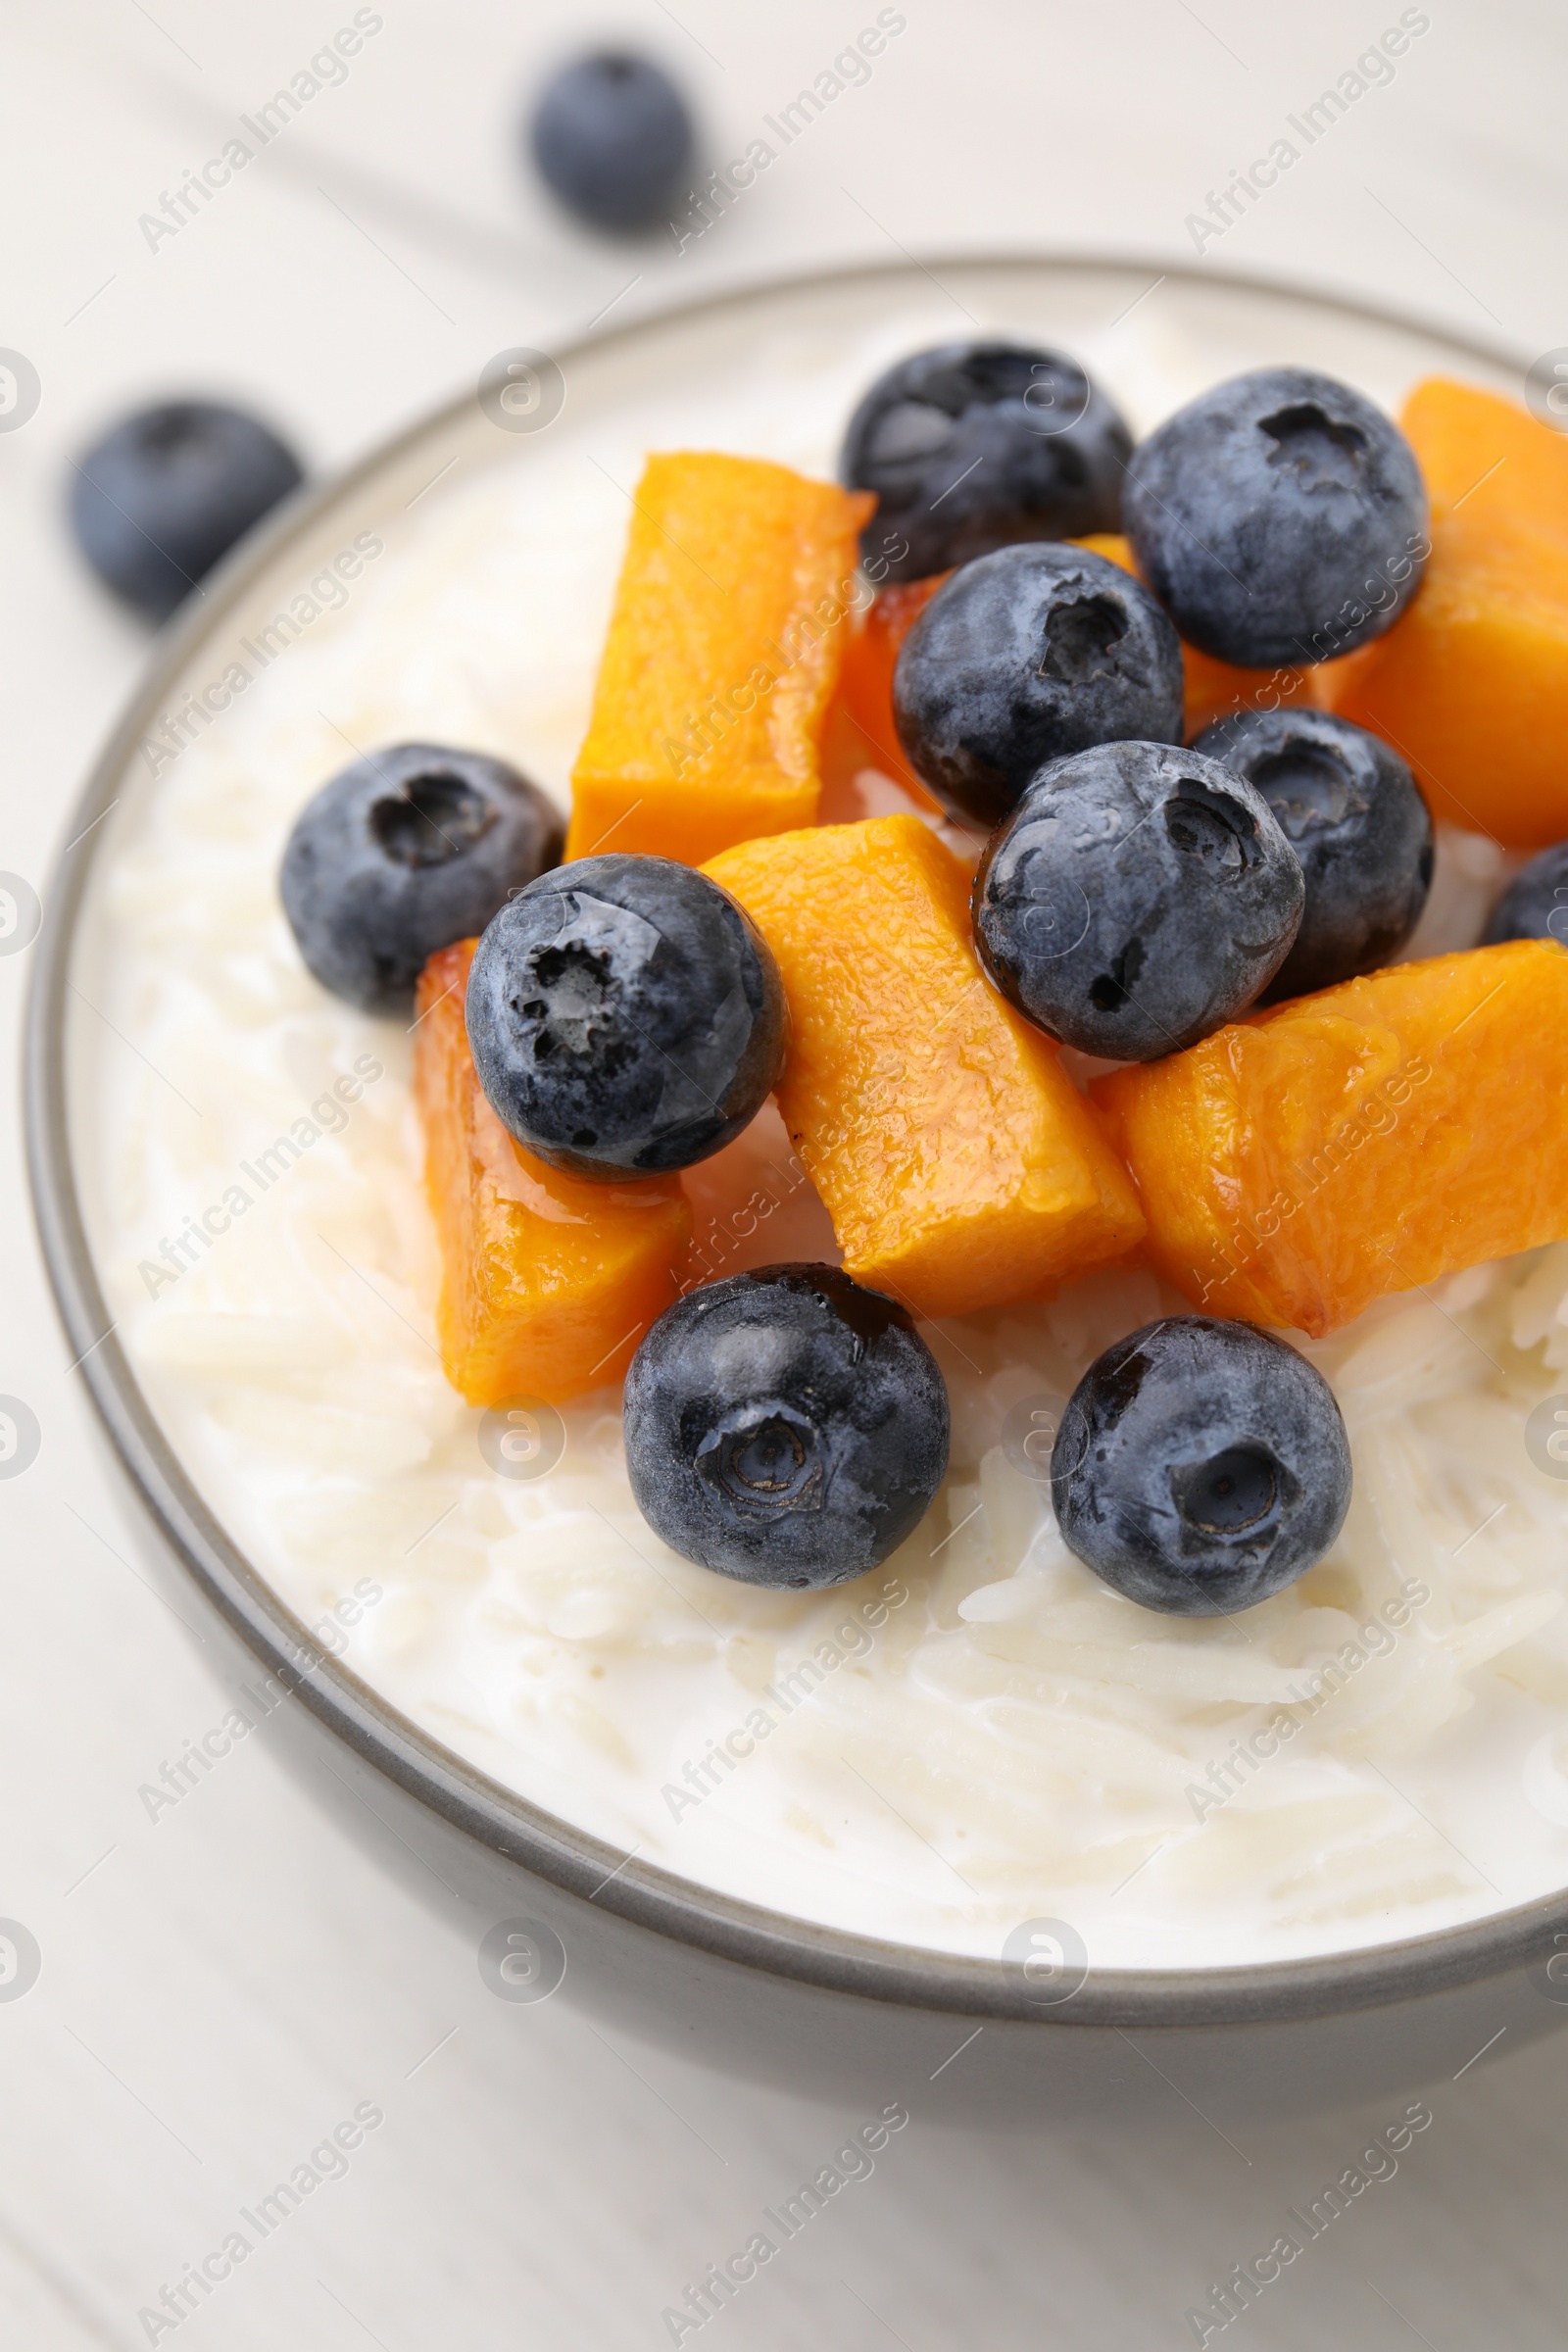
978	1733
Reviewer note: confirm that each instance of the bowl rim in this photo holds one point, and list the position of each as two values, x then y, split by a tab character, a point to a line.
573	1860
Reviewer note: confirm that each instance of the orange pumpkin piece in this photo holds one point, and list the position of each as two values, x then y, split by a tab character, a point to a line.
724	645
1471	684
1367	1139
959	1164
860	721
548	1282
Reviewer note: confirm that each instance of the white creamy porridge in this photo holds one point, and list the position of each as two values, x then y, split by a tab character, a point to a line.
981	1733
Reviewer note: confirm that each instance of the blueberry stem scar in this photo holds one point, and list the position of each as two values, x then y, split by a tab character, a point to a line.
373	759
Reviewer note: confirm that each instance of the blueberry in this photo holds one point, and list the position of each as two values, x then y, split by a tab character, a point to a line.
1535	904
1024	657
785	1427
402	854
1137	898
1280	517
613	138
973	445
625	1016
161	497
1352	811
1200	1467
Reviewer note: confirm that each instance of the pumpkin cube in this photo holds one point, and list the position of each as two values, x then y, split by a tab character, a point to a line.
548	1282
860	728
729	626
1294	1166
959	1163
1471	684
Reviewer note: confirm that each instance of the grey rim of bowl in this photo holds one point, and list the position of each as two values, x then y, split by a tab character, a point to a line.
509	1825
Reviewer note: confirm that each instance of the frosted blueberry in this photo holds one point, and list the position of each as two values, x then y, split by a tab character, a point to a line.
786	1427
1026	655
1137	898
1281	518
1200	1467
625	1016
403	853
1350	810
973	445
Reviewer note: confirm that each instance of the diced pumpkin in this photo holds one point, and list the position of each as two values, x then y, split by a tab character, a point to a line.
1471	684
548	1282
729	626
1367	1139
860	720
959	1164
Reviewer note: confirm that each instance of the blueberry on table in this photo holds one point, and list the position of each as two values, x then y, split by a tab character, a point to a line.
1280	517
974	446
785	1427
1137	898
1026	655
1200	1467
1353	813
404	853
613	138
170	490
1535	904
625	1016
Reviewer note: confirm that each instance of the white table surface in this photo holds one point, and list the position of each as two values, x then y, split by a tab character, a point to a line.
220	1988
